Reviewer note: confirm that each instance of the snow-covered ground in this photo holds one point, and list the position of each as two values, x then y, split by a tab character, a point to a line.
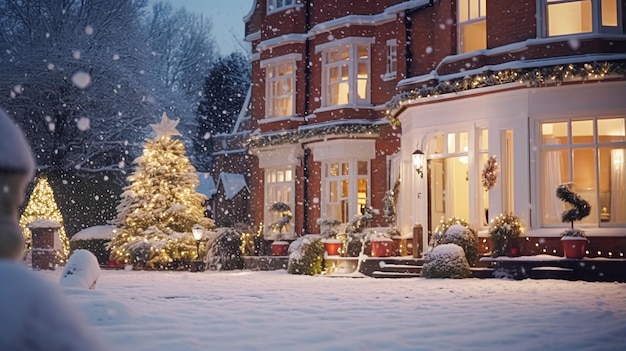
246	310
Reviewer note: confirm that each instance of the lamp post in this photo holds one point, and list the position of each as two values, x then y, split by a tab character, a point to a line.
197	265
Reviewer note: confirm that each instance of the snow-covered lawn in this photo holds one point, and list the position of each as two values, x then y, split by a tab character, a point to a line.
246	310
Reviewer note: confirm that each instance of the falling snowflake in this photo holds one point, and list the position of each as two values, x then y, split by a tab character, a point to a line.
89	30
81	79
83	123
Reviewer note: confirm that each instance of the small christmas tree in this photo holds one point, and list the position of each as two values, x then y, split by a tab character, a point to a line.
160	205
580	208
42	205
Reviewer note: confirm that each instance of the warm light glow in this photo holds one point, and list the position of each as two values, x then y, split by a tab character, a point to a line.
42	205
418	162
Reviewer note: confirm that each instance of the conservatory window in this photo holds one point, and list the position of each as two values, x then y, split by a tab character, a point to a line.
346	74
279	187
564	17
346	188
590	154
472	23
280	89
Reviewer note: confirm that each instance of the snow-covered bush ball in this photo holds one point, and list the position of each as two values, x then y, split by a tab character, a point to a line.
307	256
81	271
224	251
446	261
464	237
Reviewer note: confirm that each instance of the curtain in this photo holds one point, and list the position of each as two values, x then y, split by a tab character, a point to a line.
552	175
618	187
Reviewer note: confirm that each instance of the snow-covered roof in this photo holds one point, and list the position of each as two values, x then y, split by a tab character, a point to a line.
207	184
15	154
233	183
44	223
104	232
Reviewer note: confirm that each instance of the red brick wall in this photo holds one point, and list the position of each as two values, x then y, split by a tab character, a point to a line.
510	24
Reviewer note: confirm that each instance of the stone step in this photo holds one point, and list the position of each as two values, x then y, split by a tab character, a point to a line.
384	274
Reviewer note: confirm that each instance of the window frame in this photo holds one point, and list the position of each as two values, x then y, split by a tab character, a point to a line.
352	178
596	18
270	98
352	44
274	6
269	199
569	148
392	60
469	21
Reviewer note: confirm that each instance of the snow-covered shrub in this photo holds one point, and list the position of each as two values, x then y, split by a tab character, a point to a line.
224	250
457	231
81	271
446	261
306	257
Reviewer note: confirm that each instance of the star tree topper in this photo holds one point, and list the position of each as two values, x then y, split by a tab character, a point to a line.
166	129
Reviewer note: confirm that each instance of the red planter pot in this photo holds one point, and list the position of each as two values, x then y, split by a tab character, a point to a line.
280	248
574	247
382	248
332	247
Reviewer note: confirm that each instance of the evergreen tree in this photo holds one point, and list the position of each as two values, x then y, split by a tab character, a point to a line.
42	205
224	93
160	205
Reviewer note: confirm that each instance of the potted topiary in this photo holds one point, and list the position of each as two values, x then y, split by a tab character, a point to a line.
574	240
457	231
504	231
332	244
382	244
280	247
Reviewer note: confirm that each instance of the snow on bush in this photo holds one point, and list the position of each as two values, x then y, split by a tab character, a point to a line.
464	237
81	271
307	255
446	261
224	251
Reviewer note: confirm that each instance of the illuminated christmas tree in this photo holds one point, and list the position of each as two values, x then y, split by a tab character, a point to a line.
160	205
43	205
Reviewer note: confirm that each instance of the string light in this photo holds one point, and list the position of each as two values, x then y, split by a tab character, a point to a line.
42	205
557	74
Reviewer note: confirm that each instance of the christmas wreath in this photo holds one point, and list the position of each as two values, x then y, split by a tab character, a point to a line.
490	173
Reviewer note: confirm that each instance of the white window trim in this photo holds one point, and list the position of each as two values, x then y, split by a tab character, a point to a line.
289	234
352	178
596	19
460	25
389	74
352	43
271	63
275	9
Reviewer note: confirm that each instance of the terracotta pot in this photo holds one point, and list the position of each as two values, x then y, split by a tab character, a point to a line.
332	247
574	247
382	248
280	248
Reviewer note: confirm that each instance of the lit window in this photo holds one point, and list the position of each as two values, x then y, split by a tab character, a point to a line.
279	187
590	154
345	185
392	59
279	87
472	23
565	17
346	75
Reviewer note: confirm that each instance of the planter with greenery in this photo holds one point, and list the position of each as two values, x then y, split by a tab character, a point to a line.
574	240
504	231
332	244
280	247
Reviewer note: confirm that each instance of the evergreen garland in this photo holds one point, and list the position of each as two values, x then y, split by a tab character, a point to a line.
532	76
296	135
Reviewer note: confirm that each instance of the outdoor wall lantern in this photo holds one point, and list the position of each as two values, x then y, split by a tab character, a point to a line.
197	265
418	162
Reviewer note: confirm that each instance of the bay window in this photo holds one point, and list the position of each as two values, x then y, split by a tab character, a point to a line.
345	186
590	154
280	80
279	187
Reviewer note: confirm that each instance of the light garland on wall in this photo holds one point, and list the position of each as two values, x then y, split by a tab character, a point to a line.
531	76
295	136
